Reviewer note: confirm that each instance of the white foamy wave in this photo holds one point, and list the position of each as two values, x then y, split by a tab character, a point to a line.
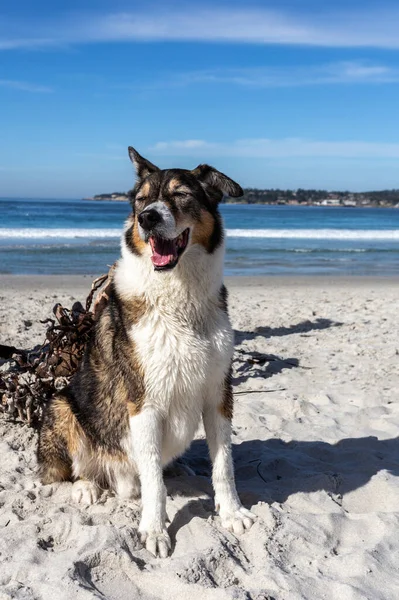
299	234
36	233
316	234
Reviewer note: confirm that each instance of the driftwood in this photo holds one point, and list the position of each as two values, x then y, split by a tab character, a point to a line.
29	378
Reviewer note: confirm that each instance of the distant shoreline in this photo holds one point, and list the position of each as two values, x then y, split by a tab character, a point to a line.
382	199
109	198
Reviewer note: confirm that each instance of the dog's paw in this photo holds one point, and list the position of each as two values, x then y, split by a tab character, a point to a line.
237	520
85	492
156	542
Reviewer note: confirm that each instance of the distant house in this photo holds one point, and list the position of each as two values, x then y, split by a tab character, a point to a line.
330	202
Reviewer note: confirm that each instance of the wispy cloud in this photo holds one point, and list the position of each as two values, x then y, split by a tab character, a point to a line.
25	86
277	148
10	43
255	25
345	72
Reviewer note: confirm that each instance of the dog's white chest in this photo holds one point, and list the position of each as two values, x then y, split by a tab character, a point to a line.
183	363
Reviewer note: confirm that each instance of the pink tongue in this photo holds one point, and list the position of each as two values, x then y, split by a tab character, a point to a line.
164	252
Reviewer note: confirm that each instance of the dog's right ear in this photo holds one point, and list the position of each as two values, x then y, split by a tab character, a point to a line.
143	166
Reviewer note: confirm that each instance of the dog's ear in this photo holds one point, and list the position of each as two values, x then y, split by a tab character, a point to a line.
143	166
219	183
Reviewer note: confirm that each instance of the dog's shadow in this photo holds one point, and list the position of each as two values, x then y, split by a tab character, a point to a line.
273	470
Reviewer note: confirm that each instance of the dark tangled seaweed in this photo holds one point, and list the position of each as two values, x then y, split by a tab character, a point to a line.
28	378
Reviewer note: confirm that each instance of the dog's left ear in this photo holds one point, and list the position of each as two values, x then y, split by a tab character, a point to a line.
143	166
219	182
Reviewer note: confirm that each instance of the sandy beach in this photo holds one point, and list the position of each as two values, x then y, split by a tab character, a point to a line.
316	452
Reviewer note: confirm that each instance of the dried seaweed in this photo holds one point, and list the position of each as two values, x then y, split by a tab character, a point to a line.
28	378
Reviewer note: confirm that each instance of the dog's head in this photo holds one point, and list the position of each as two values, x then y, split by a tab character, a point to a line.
174	209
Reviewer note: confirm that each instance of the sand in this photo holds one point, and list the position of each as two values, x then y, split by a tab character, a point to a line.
316	452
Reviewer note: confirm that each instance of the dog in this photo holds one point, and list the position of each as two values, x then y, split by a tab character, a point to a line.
159	358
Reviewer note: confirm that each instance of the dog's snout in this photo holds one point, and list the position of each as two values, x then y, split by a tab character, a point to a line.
149	218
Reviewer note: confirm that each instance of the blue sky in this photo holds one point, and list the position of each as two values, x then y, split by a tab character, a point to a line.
277	94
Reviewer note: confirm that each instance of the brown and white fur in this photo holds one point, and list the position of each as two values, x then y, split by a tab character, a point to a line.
159	359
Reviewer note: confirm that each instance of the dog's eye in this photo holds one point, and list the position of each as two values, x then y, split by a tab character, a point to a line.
182	194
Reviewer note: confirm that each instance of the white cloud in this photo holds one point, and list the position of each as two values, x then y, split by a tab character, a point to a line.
253	25
264	77
24	86
366	28
279	148
28	43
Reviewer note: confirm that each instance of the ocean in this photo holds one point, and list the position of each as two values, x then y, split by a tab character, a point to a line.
80	236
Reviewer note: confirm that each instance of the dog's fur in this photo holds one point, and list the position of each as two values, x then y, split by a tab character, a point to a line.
159	358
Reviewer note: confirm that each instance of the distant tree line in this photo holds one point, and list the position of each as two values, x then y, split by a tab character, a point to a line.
312	196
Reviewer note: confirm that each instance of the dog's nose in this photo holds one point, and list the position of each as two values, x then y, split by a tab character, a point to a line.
149	218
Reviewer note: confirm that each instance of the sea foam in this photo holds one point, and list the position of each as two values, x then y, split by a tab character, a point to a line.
299	234
317	234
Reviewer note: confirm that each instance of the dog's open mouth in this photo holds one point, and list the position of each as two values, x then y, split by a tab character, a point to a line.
166	253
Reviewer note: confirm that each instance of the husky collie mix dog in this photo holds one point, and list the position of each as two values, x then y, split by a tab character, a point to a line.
159	358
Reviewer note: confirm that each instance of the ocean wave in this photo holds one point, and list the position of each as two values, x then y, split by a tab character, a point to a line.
38	233
328	250
299	234
316	234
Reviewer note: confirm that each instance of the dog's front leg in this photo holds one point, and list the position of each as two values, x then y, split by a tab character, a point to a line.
234	516
146	431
